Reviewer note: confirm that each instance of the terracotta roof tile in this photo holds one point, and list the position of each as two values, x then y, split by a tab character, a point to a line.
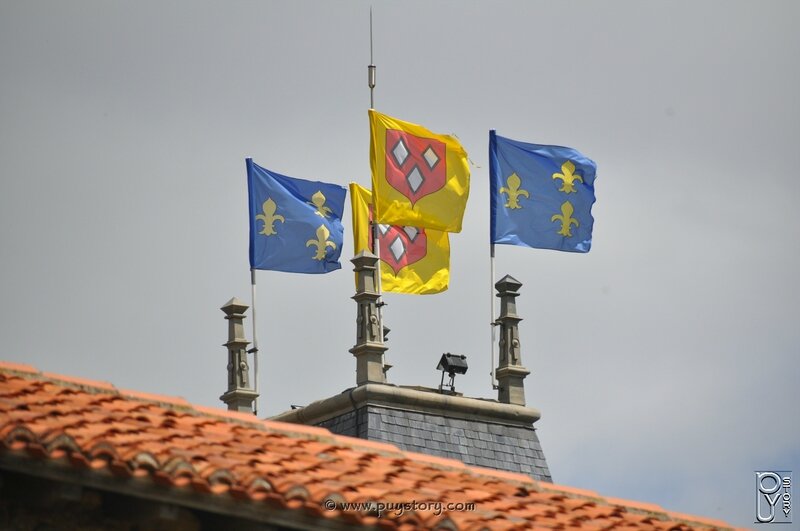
82	382
699	519
233	456
642	506
150	397
9	366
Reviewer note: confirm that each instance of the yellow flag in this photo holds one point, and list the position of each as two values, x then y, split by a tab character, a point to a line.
412	260
419	178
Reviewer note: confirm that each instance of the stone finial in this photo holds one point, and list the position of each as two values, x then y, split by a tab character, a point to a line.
240	395
369	347
510	373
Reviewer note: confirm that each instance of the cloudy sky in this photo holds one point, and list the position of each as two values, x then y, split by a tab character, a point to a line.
665	361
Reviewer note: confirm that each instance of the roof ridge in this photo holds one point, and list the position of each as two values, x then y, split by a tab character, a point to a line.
172	402
10	366
266	457
176	403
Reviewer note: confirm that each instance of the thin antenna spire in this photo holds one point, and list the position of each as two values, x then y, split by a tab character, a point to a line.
371	68
370	35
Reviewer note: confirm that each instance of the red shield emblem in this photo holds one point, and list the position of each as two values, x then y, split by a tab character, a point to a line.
415	166
401	246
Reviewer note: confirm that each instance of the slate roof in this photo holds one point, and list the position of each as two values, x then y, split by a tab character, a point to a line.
90	430
474	442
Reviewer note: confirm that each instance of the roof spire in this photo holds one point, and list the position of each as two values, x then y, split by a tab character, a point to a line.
240	395
369	347
510	372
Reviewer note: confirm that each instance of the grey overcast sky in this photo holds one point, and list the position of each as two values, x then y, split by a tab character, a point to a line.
665	361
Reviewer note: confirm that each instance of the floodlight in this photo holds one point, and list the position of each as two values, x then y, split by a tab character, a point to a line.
451	364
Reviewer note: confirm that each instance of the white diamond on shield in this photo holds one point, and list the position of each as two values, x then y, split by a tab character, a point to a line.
398	249
411	232
383	228
400	152
431	157
415	179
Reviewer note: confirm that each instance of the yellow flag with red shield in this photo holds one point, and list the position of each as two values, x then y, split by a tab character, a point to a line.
413	260
419	178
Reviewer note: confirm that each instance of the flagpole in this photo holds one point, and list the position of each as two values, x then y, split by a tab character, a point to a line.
376	248
492	323
254	350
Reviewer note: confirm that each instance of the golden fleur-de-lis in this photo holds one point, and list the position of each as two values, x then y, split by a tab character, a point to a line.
514	191
318	201
269	217
321	243
566	219
567	177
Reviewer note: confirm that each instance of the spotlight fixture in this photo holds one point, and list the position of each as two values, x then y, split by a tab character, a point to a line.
451	364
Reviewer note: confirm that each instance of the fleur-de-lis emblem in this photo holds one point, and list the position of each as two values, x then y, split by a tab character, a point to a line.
514	191
321	243
269	217
566	219
318	201
567	177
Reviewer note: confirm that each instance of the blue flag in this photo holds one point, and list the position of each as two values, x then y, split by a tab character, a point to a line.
541	196
295	225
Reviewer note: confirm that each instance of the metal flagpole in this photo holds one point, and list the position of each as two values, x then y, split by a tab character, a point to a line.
492	322
376	249
254	350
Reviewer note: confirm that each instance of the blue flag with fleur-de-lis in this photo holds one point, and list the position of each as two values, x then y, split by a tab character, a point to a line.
541	196
295	225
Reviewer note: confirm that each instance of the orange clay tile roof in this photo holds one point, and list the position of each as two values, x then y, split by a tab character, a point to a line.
92	428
